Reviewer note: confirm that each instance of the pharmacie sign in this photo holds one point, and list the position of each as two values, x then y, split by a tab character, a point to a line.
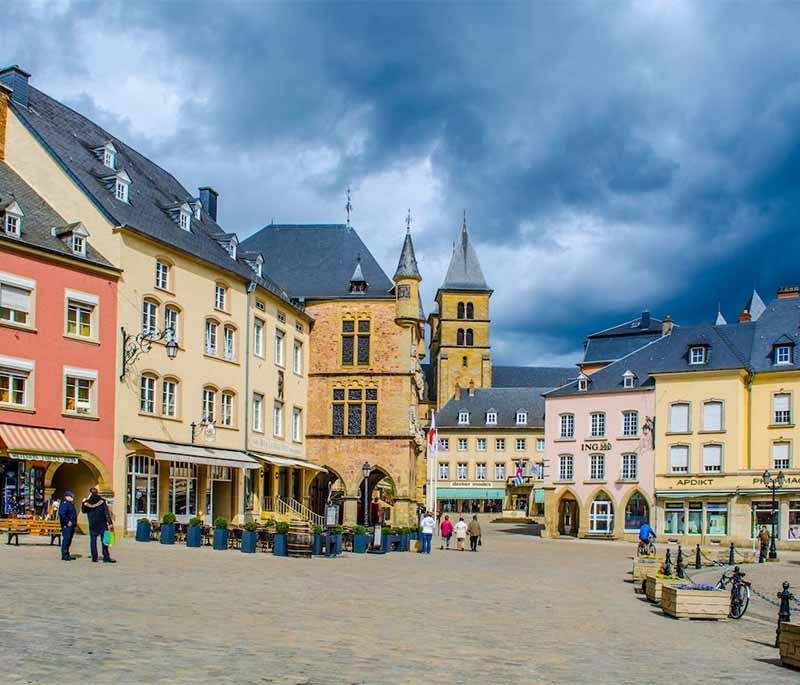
602	446
788	480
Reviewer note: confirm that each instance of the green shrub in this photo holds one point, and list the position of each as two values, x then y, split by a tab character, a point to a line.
251	526
338	530
168	518
318	530
270	523
195	522
282	527
220	522
358	529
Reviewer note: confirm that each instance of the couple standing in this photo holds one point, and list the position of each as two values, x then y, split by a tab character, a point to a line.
461	529
96	510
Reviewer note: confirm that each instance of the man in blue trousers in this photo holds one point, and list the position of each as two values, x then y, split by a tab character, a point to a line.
68	516
96	510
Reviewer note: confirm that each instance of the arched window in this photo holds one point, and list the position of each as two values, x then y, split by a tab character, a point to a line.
469	337
460	337
461	310
212	327
470	310
209	404
169	397
147	393
636	512
229	342
171	321
150	317
227	409
601	516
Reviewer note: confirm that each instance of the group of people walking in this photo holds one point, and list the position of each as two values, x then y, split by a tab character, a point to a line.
96	509
447	529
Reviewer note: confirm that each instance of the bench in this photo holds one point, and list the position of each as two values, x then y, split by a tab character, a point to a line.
16	527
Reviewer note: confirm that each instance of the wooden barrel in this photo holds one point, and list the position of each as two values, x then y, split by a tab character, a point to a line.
299	539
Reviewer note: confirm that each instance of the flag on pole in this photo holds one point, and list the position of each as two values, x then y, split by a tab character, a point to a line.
433	446
433	441
518	480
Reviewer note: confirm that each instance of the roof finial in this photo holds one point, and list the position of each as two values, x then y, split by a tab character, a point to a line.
464	223
348	207
408	221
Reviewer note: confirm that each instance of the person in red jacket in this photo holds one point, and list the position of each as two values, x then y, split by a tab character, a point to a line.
447	531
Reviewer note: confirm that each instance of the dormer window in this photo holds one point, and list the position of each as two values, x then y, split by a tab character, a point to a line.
583	383
463	418
107	155
12	222
697	355
232	249
783	354
522	418
185	220
78	244
109	158
120	184
628	379
491	418
198	209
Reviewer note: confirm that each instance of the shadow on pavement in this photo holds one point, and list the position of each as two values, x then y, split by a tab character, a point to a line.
530	529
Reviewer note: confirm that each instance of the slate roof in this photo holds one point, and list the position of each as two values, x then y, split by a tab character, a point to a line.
622	339
39	219
505	401
316	261
71	138
778	323
464	272
407	265
532	376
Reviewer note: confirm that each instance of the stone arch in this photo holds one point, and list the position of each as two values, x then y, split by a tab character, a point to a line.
590	499
619	526
381	485
319	487
569	508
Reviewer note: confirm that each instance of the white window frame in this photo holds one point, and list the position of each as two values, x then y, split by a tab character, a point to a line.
169	403
172	317
706	427
540	443
80	308
463	418
697	355
788	459
630	467
227	409
566	467
79	381
491	418
522	418
630	423
280	337
679	469
597	424
463	445
211	337
480	471
109	158
499	444
583	384
17	288
162	275
462	471
444	444
782	417
185	220
258	412
499	471
444	470
78	244
147	394
258	337
121	191
277	419
297	424
297	357
149	317
229	342
220	296
209	405
13	224
673	428
713	468
567	426
521	444
781	359
480	444
597	467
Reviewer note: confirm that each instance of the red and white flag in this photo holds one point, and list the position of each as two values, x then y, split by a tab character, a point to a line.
433	440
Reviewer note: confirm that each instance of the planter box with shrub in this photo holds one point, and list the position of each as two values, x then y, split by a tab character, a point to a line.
249	537
143	530
168	529
316	541
279	540
220	533
360	538
194	533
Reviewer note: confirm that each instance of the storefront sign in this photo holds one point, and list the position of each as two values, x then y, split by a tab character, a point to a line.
276	446
595	447
696	481
44	457
473	484
788	480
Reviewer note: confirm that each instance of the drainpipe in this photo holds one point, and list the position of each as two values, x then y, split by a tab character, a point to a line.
748	423
251	288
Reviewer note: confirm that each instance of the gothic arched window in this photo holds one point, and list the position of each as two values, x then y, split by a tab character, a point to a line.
460	337
469	337
461	310
470	310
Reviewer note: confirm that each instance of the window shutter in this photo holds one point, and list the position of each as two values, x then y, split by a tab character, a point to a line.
712	416
782	402
712	457
780	451
679	418
15	298
679	456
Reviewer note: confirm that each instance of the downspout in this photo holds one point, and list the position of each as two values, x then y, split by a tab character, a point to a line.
251	287
748	424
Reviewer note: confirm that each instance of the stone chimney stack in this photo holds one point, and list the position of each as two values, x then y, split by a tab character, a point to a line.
208	198
667	325
744	317
472	388
788	292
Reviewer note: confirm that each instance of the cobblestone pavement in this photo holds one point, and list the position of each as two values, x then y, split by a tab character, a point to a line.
522	610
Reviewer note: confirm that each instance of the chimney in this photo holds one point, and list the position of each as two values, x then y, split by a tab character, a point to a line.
472	388
644	322
744	317
457	392
16	79
788	292
208	198
5	94
666	325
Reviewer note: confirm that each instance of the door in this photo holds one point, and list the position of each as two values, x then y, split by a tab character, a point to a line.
221	499
568	517
601	517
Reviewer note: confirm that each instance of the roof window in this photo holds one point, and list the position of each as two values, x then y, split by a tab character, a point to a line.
583	382
12	220
119	184
463	418
491	418
628	379
697	355
107	154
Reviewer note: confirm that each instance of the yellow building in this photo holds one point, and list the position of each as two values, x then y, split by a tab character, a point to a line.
188	439
725	408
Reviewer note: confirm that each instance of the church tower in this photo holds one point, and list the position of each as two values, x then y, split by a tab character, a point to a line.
460	347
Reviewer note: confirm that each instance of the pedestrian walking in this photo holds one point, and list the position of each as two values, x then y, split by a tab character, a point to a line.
446	530
474	530
461	533
763	539
96	510
68	517
428	524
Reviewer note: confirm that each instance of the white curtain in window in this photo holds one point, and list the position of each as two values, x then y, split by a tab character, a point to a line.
712	416
782	402
780	453
679	418
14	298
679	457
712	457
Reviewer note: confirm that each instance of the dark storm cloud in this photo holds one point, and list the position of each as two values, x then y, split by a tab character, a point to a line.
615	156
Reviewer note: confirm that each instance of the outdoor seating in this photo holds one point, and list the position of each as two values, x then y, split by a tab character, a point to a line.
207	536
234	537
155	530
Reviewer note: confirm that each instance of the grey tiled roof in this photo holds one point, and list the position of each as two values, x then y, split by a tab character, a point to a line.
39	219
779	323
532	376
407	265
71	139
505	401
622	339
464	272
316	261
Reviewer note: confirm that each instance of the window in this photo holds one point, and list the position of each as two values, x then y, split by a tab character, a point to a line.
679	459
227	409
697	355
674	518
679	418
355	341
540	444
567	426
480	444
79	319
782	408
298	327
695	522
211	337
279	336
261	306
463	418
716	518
462	444
500	445
78	396
220	296
228	342
297	357
171	315
491	418
470	310
147	395
601	515
149	317
258	412
461	310
121	190
258	337
281	317
362	346
78	244
444	444
630	467
108	158
597	467
636	512
794	520
209	405
712	416
460	337
598	424
781	455
277	419
403	292
520	444
470	338
162	275
783	354
297	424
185	220
630	423
169	398
522	418
461	471
566	464
628	379
337	412
15	303
444	471
480	471
142	485
499	471
13	223
712	458
183	488
583	384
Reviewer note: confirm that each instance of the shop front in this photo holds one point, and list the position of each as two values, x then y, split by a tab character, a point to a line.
468	498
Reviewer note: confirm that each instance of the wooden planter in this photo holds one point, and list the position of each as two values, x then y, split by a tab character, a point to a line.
713	604
653	585
645	566
789	644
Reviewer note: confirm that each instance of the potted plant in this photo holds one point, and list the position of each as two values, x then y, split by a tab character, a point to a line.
194	534
220	533
360	538
386	539
249	537
168	529
405	537
316	542
143	530
336	538
279	540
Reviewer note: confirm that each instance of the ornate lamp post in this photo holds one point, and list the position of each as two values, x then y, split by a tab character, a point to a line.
365	470
135	345
773	482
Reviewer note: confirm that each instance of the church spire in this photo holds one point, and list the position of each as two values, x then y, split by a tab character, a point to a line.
407	266
464	272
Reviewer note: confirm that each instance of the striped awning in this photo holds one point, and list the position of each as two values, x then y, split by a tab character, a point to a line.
36	444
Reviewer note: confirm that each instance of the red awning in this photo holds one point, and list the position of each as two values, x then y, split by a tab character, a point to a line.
36	444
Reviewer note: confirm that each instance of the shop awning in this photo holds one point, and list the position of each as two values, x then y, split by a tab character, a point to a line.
470	493
287	461
195	454
37	444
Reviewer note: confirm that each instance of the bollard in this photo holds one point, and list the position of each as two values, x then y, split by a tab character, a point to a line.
784	612
679	571
667	564
698	564
731	560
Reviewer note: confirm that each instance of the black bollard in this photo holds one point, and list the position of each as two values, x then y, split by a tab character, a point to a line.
679	570
784	612
698	564
731	560
668	564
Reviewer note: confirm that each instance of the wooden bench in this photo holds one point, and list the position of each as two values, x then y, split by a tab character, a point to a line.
16	527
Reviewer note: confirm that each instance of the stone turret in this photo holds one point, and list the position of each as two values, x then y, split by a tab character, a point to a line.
406	280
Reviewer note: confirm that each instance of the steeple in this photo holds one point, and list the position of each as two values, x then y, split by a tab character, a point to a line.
464	272
407	266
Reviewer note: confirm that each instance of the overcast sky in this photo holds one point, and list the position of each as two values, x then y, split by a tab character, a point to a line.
610	156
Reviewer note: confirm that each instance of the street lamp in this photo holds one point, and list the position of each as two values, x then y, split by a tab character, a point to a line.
773	482
133	346
365	469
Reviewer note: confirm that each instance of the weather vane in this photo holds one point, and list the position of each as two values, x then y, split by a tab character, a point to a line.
348	207
408	221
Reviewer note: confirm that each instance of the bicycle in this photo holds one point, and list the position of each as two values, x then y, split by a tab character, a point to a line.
740	590
646	549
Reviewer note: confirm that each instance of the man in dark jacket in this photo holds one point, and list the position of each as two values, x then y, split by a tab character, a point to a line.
68	516
96	510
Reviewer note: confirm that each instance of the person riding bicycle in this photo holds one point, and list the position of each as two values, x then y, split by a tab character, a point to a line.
645	533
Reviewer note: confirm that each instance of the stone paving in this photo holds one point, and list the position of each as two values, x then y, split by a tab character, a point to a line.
522	610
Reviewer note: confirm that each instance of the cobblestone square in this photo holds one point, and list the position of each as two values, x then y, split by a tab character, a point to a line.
522	610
